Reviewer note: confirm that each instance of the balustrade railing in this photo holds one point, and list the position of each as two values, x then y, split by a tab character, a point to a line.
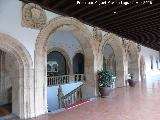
58	80
78	77
65	79
70	98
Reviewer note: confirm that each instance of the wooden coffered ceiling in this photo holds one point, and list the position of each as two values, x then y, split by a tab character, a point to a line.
138	21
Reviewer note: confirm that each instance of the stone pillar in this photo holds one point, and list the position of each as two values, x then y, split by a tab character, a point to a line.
120	72
2	77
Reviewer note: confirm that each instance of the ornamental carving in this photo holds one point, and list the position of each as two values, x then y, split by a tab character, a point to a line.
33	16
139	47
97	34
126	44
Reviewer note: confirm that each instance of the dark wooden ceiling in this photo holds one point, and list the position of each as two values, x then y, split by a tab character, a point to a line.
139	22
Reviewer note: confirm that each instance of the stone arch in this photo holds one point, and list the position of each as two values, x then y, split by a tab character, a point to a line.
116	45
83	35
23	106
65	54
133	64
78	51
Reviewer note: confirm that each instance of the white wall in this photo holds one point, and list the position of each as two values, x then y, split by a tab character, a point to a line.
10	23
151	74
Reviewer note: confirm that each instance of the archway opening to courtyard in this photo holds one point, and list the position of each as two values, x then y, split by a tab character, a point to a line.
62	46
8	77
109	62
15	78
47	41
133	61
113	57
56	64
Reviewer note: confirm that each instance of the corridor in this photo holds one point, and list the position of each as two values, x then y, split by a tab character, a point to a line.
139	103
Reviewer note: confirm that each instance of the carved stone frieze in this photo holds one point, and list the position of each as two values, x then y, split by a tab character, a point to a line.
33	16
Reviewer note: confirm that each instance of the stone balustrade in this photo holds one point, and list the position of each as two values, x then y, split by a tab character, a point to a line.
65	79
70	98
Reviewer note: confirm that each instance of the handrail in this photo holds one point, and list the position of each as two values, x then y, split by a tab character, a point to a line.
72	91
70	98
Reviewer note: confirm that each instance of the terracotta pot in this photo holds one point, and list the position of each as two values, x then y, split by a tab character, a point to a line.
105	91
131	83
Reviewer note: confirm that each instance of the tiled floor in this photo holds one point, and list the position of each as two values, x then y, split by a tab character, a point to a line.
5	109
139	103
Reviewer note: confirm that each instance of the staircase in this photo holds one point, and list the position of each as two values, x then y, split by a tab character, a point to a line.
72	98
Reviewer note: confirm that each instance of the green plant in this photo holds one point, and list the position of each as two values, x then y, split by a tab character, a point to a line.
105	78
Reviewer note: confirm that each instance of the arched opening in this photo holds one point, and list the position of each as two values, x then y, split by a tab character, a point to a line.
83	35
56	64
142	69
62	45
16	77
78	64
109	62
118	56
133	61
8	76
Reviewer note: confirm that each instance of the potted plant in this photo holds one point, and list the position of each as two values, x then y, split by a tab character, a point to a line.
131	81
105	82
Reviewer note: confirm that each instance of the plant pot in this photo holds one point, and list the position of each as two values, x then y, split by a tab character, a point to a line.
105	91
131	83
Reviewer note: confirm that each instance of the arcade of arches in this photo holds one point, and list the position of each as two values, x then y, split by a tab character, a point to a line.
65	51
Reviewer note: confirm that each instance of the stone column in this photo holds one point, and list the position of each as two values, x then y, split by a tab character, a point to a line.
2	77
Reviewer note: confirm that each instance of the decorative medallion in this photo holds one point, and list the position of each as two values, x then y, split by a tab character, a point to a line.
33	16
